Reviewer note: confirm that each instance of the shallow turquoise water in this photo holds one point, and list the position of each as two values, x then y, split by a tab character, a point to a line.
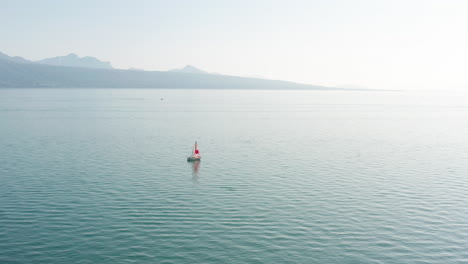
100	176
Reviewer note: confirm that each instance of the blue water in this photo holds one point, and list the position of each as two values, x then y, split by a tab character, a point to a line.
100	176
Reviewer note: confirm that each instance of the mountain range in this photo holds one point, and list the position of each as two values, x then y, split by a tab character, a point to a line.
72	60
88	72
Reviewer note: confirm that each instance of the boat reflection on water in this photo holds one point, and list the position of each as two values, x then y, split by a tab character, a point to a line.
195	169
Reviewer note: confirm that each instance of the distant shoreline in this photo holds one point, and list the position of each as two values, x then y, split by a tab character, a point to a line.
33	75
230	89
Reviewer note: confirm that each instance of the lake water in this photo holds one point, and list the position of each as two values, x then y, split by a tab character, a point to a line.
100	176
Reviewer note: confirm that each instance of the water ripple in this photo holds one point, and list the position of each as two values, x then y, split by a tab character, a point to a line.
300	177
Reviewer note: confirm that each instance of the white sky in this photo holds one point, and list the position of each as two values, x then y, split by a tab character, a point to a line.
394	44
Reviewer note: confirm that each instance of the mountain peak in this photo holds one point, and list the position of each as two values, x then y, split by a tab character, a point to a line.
189	69
72	60
13	59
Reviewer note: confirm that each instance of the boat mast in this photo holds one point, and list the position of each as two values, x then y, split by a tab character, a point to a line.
194	148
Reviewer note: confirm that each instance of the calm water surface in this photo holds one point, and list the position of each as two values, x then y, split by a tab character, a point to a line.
100	176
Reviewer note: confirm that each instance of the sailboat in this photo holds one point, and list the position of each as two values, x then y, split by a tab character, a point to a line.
195	156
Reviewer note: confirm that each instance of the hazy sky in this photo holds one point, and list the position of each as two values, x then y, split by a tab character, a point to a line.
407	44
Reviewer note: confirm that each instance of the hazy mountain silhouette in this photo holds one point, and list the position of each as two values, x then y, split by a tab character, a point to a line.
72	60
15	73
18	59
189	69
